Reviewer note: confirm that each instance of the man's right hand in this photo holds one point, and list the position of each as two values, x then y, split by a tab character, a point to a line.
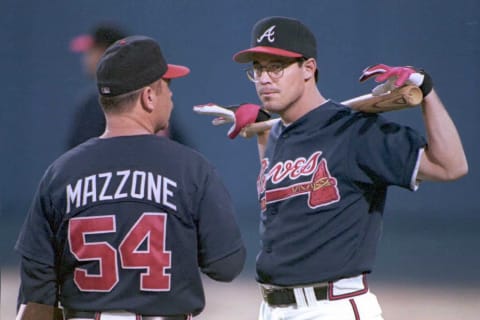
241	115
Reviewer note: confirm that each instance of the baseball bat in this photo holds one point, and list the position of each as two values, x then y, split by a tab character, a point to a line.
400	98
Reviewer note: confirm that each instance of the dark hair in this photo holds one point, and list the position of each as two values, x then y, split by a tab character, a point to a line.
105	35
301	61
120	103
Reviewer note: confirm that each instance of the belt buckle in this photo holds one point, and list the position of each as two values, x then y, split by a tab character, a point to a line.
266	291
297	295
271	295
117	315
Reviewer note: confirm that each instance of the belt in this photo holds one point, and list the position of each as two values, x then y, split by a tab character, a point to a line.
72	314
305	295
285	296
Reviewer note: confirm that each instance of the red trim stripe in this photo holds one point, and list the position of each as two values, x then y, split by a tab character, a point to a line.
332	296
355	309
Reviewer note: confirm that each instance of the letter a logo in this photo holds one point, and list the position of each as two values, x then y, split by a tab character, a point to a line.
269	33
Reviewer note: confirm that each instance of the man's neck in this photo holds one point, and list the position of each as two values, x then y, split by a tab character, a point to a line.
301	107
125	125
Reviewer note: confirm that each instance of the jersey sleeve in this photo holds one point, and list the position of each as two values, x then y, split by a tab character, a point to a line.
36	238
38	283
385	153
36	244
218	232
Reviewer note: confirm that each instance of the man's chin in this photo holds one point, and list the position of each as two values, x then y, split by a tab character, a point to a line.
272	108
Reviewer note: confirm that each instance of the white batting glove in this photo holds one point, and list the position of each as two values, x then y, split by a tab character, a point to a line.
241	115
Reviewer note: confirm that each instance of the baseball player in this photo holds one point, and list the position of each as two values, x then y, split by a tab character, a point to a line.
121	226
88	120
324	175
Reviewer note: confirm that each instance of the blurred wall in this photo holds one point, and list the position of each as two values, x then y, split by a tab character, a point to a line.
41	80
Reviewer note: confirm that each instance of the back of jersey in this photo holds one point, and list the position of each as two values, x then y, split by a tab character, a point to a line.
135	217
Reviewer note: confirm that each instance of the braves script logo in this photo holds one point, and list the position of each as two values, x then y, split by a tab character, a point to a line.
269	33
321	190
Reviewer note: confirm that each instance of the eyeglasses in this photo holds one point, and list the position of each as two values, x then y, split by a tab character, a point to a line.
274	70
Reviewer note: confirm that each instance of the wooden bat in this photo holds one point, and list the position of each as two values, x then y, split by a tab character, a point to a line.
401	98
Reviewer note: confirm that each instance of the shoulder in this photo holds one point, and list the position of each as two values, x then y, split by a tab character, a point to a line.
146	150
377	122
362	120
181	150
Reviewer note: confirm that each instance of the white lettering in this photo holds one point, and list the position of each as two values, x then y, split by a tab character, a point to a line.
74	195
167	192
108	177
154	188
141	186
89	189
118	194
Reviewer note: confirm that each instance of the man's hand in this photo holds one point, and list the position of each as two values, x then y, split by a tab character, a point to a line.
395	77
241	115
37	311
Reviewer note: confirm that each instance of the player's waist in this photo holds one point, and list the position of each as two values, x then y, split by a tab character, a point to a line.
116	315
309	294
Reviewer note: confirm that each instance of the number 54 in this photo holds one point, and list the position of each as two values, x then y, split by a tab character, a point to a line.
150	227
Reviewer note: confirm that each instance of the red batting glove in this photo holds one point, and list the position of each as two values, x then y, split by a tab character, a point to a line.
400	75
245	114
241	115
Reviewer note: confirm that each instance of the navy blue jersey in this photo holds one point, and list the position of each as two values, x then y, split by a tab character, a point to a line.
322	189
129	221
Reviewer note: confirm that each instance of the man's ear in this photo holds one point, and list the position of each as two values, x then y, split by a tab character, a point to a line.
309	68
147	97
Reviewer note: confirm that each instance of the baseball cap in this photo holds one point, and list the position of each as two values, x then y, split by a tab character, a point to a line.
102	35
280	36
132	63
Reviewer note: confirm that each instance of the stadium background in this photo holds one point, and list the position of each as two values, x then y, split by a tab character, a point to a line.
428	262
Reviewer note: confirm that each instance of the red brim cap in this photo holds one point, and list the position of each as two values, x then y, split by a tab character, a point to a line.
81	43
246	55
175	71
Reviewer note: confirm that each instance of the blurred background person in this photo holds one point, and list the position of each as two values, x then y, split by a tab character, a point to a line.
88	119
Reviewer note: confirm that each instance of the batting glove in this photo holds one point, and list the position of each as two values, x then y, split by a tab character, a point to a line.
241	115
395	77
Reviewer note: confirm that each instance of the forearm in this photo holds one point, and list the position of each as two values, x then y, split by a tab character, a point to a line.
262	139
37	311
444	158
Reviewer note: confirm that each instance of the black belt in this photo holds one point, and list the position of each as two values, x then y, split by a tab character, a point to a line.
92	315
285	296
